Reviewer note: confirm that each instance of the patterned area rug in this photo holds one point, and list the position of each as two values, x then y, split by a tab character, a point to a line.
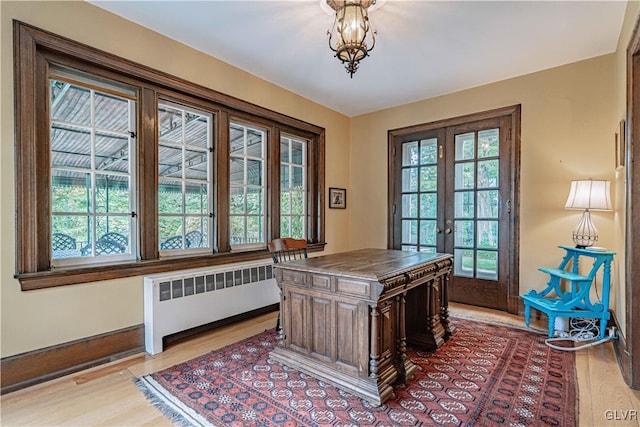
484	375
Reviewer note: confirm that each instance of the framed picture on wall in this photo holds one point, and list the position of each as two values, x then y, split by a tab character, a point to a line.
337	198
621	142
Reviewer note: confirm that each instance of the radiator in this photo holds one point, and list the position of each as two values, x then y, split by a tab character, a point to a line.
180	300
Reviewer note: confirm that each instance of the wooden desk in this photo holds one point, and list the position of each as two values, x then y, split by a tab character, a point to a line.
348	317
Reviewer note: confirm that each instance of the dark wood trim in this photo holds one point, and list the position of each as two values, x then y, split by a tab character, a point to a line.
26	128
273	184
72	276
513	297
34	367
631	372
410	131
222	186
34	50
148	173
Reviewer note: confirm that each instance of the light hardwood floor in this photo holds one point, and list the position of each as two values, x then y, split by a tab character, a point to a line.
106	396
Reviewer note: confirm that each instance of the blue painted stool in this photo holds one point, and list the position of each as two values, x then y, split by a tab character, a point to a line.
575	301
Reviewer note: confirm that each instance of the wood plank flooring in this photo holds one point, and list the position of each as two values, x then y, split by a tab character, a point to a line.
106	396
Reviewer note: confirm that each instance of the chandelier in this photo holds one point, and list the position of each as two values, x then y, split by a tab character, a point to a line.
351	37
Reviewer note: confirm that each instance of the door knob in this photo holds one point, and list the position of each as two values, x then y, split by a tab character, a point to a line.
438	230
448	231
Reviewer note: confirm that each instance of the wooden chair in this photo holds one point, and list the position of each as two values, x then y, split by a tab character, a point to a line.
287	249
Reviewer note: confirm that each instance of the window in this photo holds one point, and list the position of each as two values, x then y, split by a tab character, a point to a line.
185	167
92	125
126	171
247	186
293	172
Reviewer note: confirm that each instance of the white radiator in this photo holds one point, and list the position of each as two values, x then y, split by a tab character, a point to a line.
180	300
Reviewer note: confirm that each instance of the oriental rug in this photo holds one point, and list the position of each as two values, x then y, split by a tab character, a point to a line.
485	374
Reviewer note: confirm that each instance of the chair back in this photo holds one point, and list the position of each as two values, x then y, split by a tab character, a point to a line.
61	242
287	249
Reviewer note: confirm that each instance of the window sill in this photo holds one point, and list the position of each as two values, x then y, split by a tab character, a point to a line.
85	274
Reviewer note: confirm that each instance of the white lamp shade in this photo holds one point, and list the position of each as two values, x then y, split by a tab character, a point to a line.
589	194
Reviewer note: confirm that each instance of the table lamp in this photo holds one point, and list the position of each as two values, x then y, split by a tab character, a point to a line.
588	194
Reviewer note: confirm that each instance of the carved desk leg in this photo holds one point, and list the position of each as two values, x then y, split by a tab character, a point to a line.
449	329
374	357
405	367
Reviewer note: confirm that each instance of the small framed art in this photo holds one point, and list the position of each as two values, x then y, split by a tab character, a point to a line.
337	198
621	142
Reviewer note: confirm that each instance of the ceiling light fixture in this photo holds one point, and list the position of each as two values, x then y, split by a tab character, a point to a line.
351	32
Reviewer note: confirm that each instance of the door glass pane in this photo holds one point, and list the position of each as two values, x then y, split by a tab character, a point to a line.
409	205
488	234
409	231
428	178
427	232
428	151
488	172
464	204
465	175
487	265
428	205
488	204
464	234
463	262
488	143
410	179
410	153
428	249
465	146
409	248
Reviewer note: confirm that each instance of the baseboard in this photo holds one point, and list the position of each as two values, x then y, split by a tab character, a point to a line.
620	349
34	367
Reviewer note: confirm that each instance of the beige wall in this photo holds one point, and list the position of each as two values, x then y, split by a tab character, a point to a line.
36	319
568	122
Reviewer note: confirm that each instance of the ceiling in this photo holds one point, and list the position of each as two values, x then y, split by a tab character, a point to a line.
423	48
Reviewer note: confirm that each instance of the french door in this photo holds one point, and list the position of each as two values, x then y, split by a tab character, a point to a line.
453	187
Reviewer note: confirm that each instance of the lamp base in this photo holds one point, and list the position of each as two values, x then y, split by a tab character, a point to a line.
585	234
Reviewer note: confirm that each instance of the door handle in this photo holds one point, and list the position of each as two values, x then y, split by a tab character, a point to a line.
447	231
438	230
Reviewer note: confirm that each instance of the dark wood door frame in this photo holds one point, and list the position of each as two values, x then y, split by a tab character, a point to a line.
628	347
513	280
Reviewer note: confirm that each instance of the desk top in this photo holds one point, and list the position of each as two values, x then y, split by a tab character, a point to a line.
368	264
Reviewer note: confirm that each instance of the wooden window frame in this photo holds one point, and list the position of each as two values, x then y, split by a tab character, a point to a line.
34	50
